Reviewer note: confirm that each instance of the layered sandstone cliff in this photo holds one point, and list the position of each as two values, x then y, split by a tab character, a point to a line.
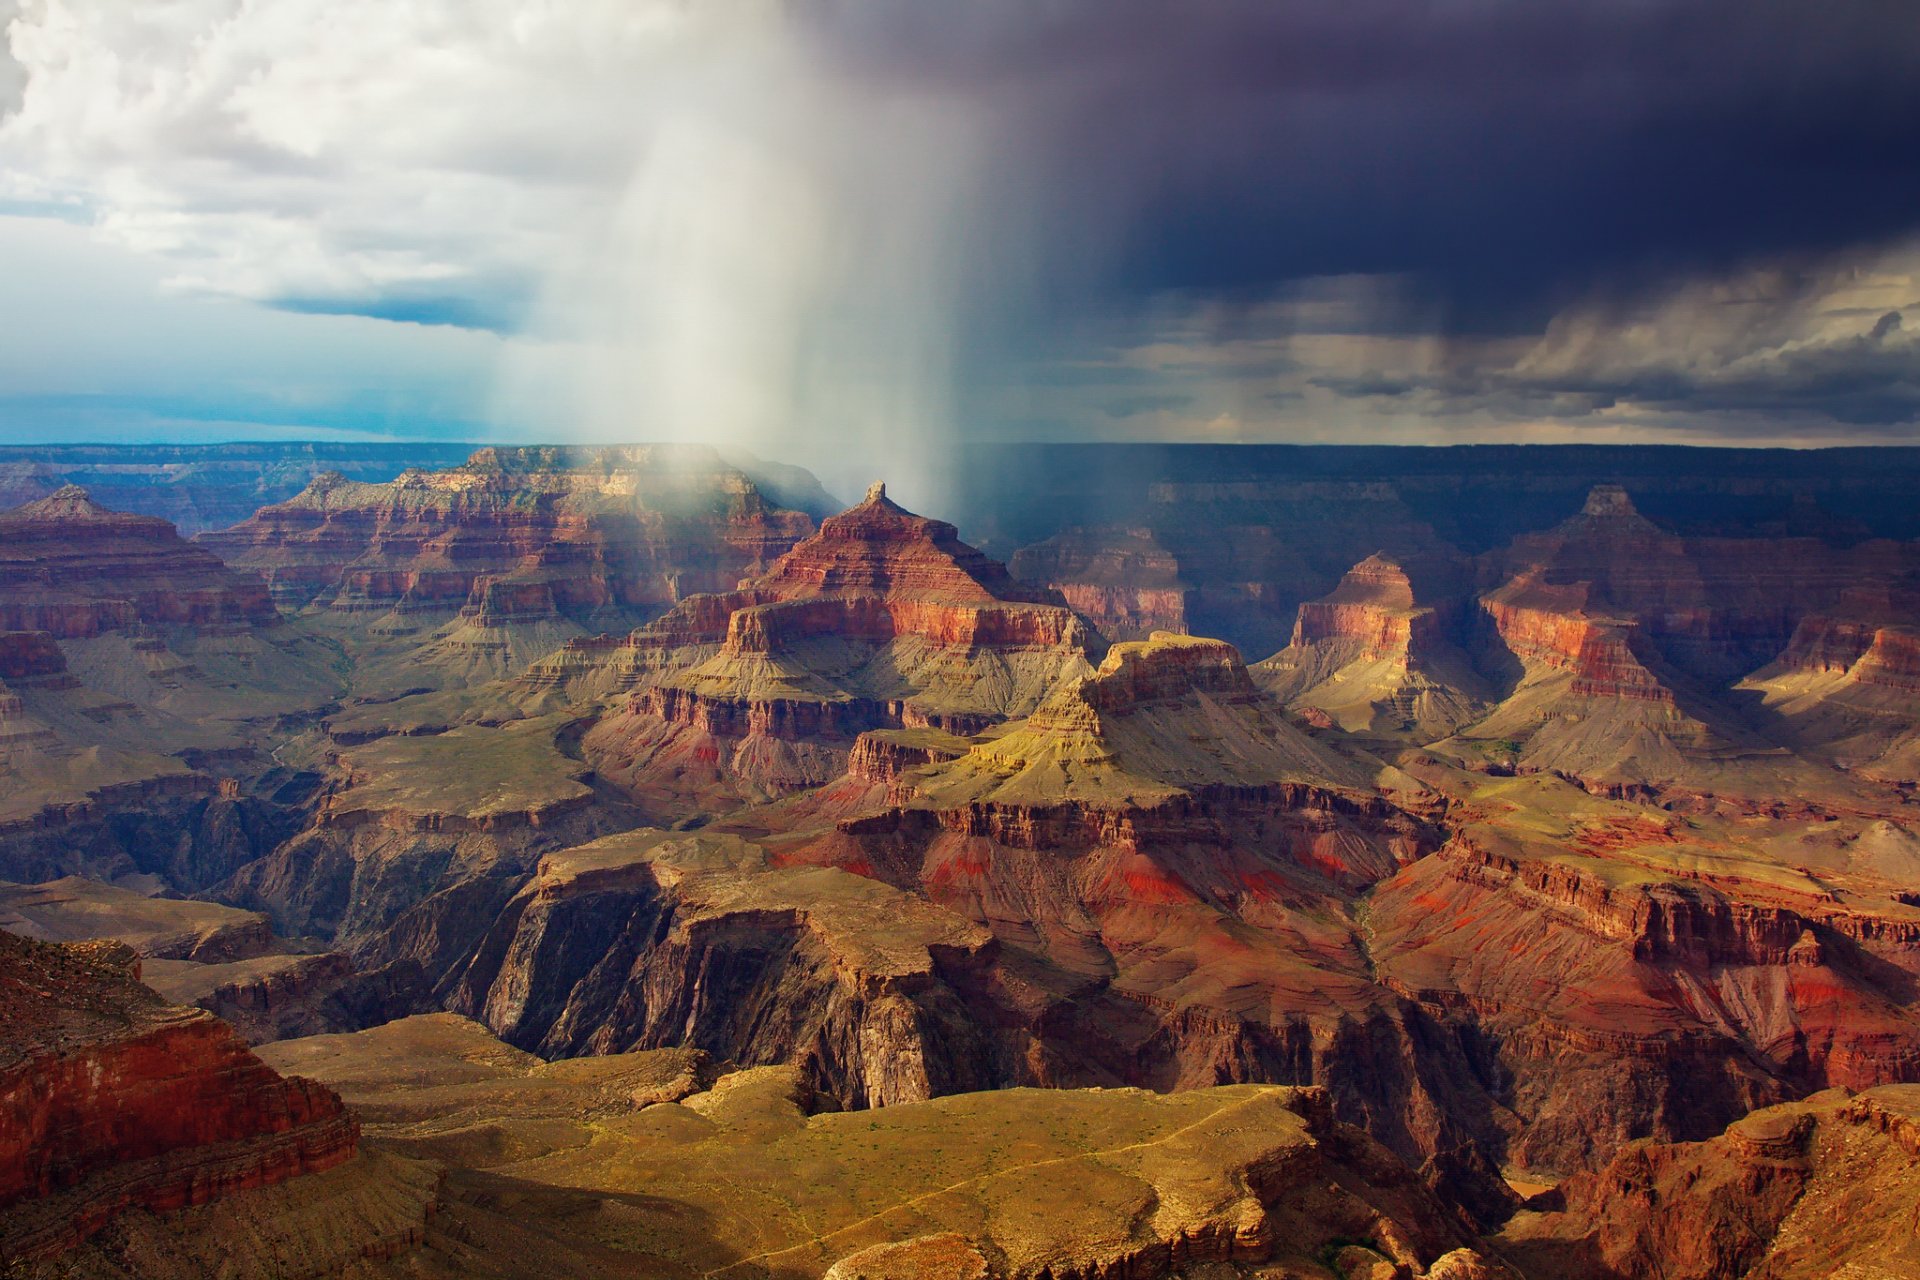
518	533
648	939
1369	656
883	619
111	1099
73	569
1644	975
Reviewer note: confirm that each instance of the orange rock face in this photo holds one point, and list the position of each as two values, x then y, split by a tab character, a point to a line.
110	1098
1805	1191
1551	625
1374	605
72	569
520	533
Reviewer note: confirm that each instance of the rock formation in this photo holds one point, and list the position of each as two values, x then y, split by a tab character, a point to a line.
73	569
1803	1191
111	1099
1369	657
882	619
647	939
1122	580
514	533
1017	1183
140	674
1644	974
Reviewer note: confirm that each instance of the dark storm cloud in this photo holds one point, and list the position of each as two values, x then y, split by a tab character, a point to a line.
1507	155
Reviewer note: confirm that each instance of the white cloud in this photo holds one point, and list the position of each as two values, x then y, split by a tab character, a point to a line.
335	150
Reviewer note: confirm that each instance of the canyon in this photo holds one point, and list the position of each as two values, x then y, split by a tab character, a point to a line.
1499	883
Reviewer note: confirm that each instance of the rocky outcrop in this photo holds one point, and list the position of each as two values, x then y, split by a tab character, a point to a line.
882	620
275	997
32	656
519	534
180	826
1011	1183
648	939
198	487
72	569
1825	1187
112	1099
1369	657
75	909
1554	627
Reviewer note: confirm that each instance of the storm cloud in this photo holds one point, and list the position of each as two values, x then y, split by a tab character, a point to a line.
1228	219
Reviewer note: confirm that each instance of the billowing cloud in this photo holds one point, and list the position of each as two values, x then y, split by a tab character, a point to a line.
880	225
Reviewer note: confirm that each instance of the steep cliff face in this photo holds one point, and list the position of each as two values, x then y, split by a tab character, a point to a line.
648	939
1167	870
414	856
1591	694
110	1099
73	569
1370	657
884	619
1825	1187
1650	1002
278	996
1010	1183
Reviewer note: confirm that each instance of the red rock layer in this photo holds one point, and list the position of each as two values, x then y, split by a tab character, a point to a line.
520	533
73	569
1805	1191
1892	661
1646	1008
110	1098
1822	643
1549	624
1374	605
1122	580
734	699
1718	607
30	655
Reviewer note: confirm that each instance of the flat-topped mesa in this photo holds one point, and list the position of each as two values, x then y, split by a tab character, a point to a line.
73	569
1609	500
110	1099
518	533
1165	667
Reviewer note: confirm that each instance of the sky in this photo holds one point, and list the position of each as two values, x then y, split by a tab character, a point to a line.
848	231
